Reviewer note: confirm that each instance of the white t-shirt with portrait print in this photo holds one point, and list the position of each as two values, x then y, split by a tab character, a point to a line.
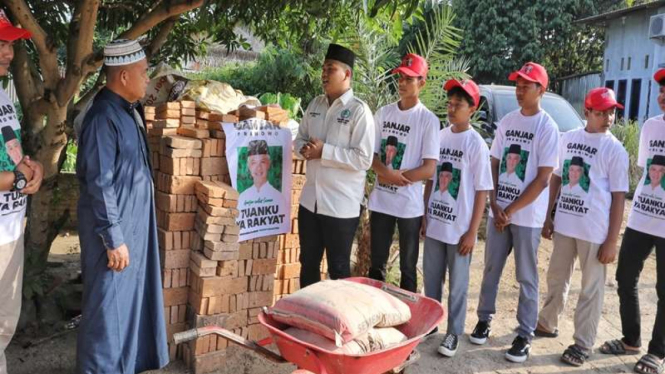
449	212
538	139
647	214
12	203
416	130
583	209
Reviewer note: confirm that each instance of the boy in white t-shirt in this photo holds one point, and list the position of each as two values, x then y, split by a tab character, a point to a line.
19	177
645	230
455	202
405	154
518	205
592	177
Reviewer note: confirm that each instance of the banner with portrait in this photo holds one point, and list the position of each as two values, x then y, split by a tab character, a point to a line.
259	158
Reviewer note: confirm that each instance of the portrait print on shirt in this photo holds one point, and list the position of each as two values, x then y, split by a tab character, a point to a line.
11	152
448	182
575	177
392	152
654	183
513	166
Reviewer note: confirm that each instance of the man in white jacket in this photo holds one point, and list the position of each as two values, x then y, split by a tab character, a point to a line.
336	137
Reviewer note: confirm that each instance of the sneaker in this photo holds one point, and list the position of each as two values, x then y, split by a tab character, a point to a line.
480	333
449	345
519	352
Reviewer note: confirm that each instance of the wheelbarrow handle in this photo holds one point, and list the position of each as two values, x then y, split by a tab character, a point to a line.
192	334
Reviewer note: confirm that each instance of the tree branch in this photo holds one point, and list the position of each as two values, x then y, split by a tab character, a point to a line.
165	10
24	81
48	59
161	37
79	49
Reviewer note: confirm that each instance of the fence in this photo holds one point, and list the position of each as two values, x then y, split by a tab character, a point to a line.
575	87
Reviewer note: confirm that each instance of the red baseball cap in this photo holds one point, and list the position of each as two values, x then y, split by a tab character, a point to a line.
533	73
660	75
601	98
10	33
413	66
467	85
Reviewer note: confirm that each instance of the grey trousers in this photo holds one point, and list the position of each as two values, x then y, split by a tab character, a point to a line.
11	282
438	257
590	302
524	241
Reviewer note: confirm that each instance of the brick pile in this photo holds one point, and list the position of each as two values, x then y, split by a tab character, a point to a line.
208	276
287	274
230	281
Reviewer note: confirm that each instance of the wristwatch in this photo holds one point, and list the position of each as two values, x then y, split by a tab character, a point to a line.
19	181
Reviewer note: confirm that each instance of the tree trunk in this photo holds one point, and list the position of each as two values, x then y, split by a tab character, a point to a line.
363	253
41	231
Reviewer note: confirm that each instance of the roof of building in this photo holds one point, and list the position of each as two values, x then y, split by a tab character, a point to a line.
603	18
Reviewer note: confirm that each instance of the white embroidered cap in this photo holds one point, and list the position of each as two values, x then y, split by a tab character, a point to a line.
122	52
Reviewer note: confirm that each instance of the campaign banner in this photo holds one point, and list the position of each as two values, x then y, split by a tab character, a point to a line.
259	158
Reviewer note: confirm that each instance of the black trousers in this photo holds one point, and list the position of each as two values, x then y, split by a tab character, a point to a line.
318	233
635	249
382	228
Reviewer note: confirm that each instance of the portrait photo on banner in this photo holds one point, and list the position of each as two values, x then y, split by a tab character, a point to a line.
259	156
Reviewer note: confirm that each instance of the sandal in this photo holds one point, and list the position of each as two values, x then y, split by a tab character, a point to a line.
545	334
575	355
650	364
616	347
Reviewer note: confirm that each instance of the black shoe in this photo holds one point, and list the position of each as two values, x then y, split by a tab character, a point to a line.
480	333
449	345
519	352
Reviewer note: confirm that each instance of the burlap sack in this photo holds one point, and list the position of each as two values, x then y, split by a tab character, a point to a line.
340	310
374	340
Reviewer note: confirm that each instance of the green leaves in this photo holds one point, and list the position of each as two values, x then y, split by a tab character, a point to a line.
438	41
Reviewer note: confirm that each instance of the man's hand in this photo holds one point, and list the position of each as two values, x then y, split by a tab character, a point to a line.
37	176
607	252
312	150
501	219
466	243
118	258
25	170
395	177
548	229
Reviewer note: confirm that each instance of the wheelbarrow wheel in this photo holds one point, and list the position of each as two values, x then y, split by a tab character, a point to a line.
413	357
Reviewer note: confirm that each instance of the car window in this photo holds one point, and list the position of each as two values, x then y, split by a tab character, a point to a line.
563	113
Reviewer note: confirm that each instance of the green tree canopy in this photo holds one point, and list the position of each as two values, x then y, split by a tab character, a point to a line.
501	36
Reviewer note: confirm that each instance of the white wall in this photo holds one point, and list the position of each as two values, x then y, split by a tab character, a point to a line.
628	37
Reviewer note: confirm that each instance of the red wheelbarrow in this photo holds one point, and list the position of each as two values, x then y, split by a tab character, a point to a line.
426	314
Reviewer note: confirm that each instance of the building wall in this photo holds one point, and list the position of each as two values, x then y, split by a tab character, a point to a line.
627	42
574	89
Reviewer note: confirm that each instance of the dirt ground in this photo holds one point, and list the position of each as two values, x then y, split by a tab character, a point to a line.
57	356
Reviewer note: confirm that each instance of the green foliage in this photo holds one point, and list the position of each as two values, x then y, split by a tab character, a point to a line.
628	133
501	36
286	101
377	56
69	165
438	41
276	70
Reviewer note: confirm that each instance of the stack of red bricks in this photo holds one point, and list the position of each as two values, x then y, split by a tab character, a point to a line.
176	205
287	274
230	281
209	277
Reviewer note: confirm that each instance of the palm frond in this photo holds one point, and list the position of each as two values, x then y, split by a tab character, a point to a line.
438	42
